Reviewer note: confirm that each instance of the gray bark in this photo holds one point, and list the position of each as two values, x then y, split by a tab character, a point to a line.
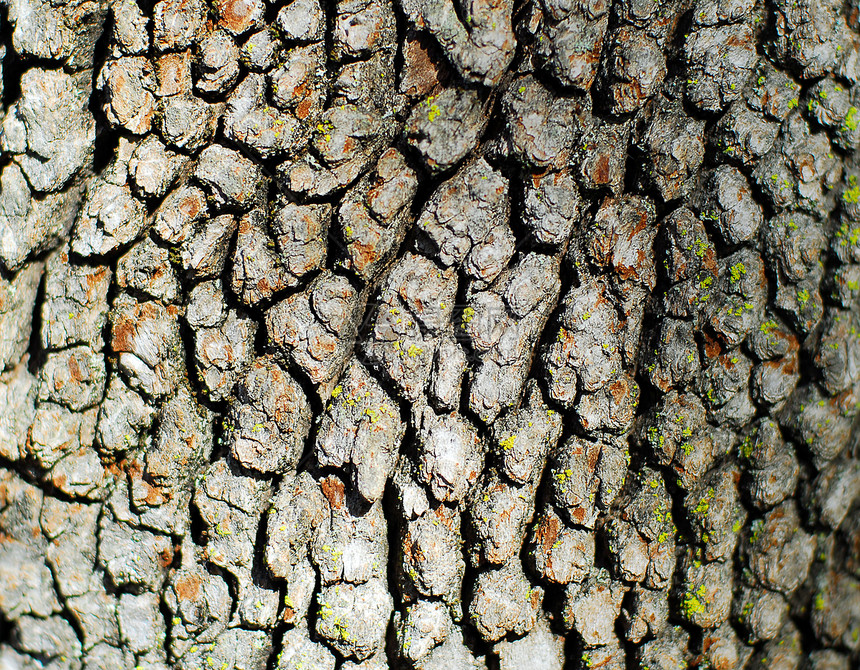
436	334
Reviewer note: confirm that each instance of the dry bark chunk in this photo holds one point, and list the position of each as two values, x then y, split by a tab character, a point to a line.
230	505
186	121
551	207
467	220
146	337
374	215
179	212
28	584
498	513
73	377
110	218
51	637
646	614
838	354
297	85
297	510
221	353
301	21
558	553
123	418
823	424
17	300
737	302
619	242
729	203
301	233
178	24
127	85
716	513
780	552
602	155
541	648
573	480
635	69
445	127
449	453
807	36
363	26
346	141
353	619
317	326
800	169
719	59
504	602
417	300
234	180
482	50
64	32
17	410
146	268
591	607
423	627
571	38
61	443
173	73
299	651
361	430
504	323
30	225
585	353
707	592
153	167
674	147
258	273
130	34
432	562
217	63
133	557
60	130
541	127
522	438
253	123
204	254
269	418
351	544
260	51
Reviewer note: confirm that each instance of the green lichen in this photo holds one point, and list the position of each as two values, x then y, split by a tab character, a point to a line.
468	315
746	447
851	119
768	326
852	195
692	603
705	503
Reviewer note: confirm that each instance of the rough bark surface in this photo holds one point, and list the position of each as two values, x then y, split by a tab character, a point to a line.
430	334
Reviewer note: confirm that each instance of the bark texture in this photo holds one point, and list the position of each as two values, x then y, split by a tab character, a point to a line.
430	334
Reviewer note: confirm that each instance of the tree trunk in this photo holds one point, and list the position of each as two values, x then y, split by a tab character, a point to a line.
439	335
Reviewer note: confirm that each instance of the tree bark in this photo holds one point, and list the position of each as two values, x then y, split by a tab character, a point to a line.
434	334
